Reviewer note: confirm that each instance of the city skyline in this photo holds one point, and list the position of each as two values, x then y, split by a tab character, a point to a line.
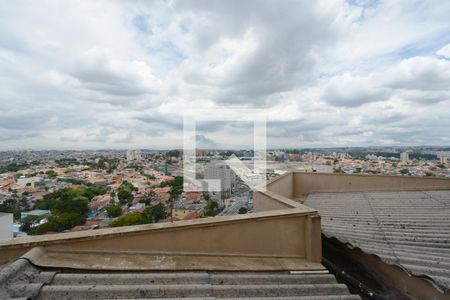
119	75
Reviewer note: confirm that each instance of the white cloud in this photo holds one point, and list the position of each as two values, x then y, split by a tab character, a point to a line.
347	90
444	51
109	74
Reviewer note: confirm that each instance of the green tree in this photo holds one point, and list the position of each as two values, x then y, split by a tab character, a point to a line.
58	223
14	205
156	212
404	171
176	186
114	211
127	186
125	196
211	208
131	219
28	222
125	192
77	204
51	174
242	210
50	226
148	199
68	220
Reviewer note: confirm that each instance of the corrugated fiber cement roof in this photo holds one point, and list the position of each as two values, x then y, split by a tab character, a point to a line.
408	229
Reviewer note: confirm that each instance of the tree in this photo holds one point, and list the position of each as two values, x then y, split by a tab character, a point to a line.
28	222
68	220
211	208
127	186
206	196
51	201
14	205
114	211
156	212
131	219
69	208
125	196
51	174
151	197
125	192
59	223
404	171
242	210
78	204
176	186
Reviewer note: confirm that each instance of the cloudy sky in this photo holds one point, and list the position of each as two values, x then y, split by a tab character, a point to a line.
122	74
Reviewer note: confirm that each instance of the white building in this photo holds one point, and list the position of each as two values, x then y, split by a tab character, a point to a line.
223	172
6	226
443	159
404	156
371	157
133	155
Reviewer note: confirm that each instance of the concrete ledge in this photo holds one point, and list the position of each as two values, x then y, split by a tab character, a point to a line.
270	201
146	261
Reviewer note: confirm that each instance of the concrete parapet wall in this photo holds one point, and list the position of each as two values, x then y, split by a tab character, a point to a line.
282	185
267	201
282	233
305	183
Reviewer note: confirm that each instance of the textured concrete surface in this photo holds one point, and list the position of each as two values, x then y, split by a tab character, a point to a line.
133	260
21	280
410	229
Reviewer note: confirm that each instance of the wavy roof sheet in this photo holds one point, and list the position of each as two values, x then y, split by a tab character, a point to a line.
405	228
21	280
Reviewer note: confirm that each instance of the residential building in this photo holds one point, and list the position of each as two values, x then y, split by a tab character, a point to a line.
100	202
404	156
162	193
221	171
6	226
133	155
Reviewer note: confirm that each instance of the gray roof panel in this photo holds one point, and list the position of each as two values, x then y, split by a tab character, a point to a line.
408	229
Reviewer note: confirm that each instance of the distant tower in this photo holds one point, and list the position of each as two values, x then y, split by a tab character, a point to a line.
444	159
133	155
220	170
404	156
166	167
